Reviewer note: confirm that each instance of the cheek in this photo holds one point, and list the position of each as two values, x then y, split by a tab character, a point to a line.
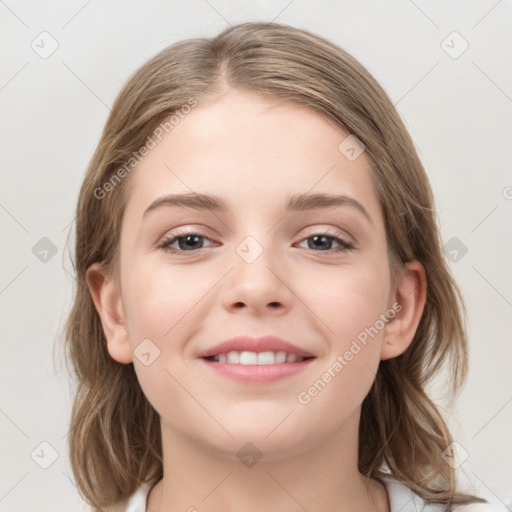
348	301
163	305
350	305
345	375
360	306
159	301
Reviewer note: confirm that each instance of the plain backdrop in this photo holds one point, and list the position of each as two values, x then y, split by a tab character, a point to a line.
446	66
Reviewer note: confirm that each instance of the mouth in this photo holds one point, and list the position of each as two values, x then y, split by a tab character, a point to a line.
256	361
247	350
256	368
249	358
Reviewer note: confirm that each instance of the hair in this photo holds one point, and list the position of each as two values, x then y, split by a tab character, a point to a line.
115	439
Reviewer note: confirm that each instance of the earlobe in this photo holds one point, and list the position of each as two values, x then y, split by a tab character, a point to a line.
411	294
107	300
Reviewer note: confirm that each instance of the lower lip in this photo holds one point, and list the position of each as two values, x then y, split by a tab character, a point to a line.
257	373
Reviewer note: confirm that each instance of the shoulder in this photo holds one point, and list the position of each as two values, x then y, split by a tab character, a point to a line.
403	499
138	500
482	507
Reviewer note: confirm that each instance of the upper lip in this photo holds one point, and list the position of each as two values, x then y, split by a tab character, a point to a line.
251	344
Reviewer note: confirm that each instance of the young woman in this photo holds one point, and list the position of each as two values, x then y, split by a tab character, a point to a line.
261	292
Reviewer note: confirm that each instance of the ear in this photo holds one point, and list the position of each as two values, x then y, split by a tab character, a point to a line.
410	294
107	300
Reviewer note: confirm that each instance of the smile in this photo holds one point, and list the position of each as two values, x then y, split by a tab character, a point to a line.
256	367
256	358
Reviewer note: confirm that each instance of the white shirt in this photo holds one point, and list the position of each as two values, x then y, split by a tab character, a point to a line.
401	499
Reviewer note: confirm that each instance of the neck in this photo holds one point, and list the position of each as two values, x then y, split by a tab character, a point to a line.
325	477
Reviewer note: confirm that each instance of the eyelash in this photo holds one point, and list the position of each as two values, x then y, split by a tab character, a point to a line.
345	245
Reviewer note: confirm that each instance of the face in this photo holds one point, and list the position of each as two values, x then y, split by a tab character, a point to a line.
315	277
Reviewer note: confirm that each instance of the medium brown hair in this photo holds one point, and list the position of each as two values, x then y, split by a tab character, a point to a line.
114	439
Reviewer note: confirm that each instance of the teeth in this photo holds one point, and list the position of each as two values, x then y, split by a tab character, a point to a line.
280	357
233	357
265	357
248	358
259	358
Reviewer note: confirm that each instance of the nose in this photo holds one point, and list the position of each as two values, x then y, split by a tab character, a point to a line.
259	286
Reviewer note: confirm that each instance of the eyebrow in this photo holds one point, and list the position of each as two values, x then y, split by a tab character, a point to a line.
295	202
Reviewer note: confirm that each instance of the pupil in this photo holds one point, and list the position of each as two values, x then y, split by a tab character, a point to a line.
320	239
189	238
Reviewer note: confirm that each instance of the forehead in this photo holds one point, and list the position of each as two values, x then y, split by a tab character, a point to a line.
243	146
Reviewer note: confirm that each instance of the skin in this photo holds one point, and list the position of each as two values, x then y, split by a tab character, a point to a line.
254	151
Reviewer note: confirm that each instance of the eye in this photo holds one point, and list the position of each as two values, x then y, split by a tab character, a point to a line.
188	241
320	240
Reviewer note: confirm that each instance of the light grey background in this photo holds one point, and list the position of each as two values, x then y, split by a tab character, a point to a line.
458	111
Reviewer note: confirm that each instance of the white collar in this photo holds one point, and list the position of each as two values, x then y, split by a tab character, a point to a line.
401	499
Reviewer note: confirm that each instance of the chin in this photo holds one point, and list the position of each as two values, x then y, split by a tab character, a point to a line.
263	442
